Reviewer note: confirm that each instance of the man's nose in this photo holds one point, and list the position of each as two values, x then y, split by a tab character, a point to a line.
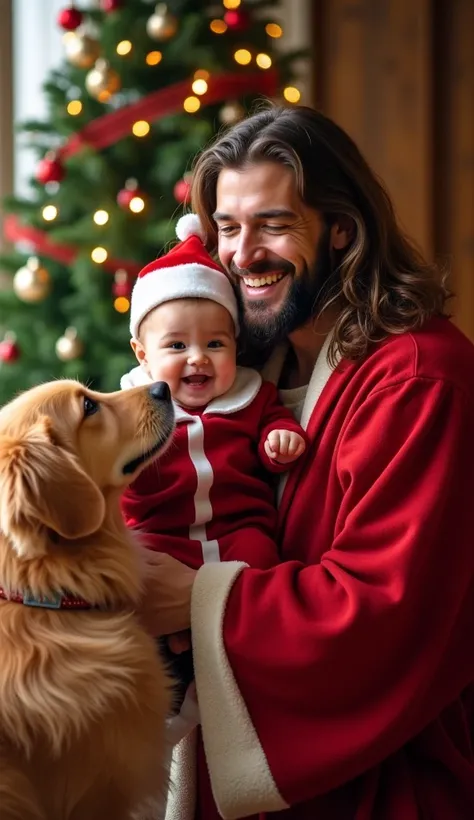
247	251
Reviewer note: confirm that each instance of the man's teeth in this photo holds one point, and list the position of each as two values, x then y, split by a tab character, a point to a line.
264	280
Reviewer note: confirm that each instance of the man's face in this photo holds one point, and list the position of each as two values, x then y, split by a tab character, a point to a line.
275	247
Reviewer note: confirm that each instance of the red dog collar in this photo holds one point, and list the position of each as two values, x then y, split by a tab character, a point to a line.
46	602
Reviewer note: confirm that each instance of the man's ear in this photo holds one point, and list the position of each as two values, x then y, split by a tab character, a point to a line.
341	233
42	484
139	351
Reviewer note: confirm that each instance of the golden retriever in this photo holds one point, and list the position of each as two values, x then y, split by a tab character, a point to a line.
83	693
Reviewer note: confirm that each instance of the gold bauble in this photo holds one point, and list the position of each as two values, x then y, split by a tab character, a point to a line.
231	113
69	346
81	50
162	25
102	81
32	283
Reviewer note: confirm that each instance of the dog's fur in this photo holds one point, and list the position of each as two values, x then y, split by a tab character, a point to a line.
83	695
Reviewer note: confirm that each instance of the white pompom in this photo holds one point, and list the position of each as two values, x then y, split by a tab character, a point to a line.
190	225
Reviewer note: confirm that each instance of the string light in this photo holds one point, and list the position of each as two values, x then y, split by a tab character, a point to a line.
274	30
218	26
49	212
263	60
124	47
201	74
153	57
199	86
74	108
291	94
141	128
101	217
122	304
137	204
191	105
242	56
231	4
99	255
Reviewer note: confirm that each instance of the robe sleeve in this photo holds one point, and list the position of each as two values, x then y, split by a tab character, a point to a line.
308	676
276	416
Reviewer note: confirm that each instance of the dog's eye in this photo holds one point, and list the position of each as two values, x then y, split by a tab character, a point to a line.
90	406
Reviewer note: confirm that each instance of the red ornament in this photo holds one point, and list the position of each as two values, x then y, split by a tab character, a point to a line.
49	169
182	190
237	19
110	5
70	19
125	196
9	350
121	285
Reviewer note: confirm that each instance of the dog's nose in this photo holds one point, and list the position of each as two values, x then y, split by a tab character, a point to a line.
160	391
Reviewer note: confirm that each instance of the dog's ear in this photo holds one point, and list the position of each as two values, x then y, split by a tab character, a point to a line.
42	483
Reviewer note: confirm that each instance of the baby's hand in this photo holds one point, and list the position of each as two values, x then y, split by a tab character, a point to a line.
284	446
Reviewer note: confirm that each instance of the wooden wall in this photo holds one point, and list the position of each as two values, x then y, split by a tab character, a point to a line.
398	75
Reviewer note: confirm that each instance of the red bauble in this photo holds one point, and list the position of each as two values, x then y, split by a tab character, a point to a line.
69	19
237	19
131	190
9	351
182	190
111	5
121	285
49	169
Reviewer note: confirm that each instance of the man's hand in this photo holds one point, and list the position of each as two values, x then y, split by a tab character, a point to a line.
166	603
284	446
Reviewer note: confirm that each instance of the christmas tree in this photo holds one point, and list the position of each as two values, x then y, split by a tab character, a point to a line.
141	91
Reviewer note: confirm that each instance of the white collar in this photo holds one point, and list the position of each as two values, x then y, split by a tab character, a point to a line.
246	385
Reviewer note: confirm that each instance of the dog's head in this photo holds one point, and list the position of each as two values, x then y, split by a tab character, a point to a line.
64	448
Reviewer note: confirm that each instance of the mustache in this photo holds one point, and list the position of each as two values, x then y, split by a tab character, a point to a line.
265	266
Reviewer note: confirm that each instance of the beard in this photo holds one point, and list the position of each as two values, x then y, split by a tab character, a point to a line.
262	327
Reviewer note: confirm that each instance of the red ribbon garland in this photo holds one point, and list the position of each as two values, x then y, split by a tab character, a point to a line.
16	231
109	128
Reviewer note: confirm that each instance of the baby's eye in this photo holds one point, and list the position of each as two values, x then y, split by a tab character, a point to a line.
215	343
177	346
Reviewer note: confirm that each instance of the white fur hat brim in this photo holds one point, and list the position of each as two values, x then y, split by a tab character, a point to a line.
190	281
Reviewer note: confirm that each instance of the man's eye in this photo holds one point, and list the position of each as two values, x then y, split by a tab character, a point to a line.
227	229
90	406
276	228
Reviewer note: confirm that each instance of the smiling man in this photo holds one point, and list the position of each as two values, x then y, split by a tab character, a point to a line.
339	684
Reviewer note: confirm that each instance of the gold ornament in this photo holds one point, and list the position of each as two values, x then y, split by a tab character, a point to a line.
162	25
81	50
231	113
69	346
102	81
32	283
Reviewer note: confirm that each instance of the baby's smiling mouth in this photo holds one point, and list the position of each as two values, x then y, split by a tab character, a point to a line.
198	379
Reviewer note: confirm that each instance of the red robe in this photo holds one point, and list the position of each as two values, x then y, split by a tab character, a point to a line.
209	498
338	685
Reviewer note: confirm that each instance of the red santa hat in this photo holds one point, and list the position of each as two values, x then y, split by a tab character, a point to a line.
186	272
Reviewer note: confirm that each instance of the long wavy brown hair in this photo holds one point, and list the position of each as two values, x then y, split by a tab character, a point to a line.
381	285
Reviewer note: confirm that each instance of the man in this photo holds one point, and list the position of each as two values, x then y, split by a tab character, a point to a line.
338	685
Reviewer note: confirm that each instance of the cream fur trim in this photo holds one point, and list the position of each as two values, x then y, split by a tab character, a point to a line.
241	780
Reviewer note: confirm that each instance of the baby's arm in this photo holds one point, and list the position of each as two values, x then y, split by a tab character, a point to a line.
282	439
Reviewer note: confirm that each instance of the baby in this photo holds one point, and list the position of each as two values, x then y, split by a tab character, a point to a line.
210	497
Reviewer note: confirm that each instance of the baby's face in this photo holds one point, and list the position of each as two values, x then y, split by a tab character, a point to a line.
190	344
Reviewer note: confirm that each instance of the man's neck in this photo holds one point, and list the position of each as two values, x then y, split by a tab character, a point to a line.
306	344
